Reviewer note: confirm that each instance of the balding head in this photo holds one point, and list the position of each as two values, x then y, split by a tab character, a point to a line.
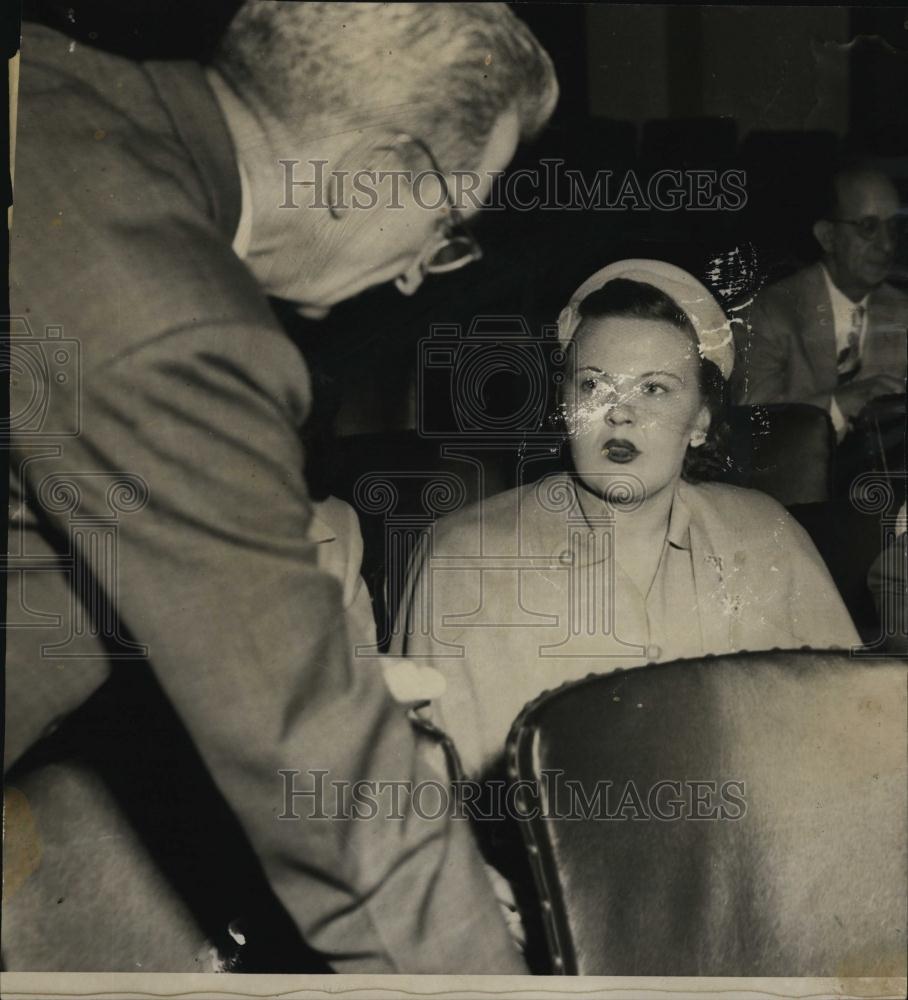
858	231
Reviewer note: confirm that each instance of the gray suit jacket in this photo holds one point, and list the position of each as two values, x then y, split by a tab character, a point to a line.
160	510
789	355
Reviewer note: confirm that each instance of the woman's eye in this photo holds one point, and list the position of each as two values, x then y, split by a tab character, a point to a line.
589	384
653	388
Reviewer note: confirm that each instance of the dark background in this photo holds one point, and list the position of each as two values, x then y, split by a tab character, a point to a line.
777	91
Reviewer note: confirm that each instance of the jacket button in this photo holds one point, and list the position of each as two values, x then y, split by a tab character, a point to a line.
653	652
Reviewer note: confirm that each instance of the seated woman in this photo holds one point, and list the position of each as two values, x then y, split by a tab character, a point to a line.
625	557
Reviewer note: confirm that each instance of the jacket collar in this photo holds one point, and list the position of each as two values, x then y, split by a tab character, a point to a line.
837	298
557	500
199	122
679	521
817	324
550	511
319	530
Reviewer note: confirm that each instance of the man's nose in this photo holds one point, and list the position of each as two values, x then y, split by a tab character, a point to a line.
886	240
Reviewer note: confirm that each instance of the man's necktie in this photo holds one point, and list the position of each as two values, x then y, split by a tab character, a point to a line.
848	363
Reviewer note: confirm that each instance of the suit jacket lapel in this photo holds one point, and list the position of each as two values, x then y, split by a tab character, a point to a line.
719	604
197	118
817	326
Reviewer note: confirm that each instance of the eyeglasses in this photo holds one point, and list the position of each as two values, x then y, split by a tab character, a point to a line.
452	247
871	226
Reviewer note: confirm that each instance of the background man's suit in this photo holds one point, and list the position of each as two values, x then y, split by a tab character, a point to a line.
789	355
127	199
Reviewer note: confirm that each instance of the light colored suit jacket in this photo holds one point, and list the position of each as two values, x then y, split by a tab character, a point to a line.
334	527
493	605
161	510
789	353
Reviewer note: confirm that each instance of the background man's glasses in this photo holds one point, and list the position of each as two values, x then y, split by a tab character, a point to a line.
872	226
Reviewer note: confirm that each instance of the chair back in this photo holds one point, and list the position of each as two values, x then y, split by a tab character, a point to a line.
729	816
783	449
849	539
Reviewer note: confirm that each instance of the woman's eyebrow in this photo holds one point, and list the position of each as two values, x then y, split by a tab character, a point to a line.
600	371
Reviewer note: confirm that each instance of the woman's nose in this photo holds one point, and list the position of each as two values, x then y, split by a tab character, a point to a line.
620	412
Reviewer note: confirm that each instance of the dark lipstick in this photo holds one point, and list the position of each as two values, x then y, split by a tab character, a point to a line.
619	450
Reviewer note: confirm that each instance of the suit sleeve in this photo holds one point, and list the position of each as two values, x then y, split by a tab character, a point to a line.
345	560
247	637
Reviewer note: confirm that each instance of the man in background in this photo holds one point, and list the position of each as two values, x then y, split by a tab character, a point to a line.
158	205
834	333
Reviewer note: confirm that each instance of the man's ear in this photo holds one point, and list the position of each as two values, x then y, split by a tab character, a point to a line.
824	234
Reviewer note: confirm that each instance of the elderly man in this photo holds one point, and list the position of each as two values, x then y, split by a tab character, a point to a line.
834	333
161	514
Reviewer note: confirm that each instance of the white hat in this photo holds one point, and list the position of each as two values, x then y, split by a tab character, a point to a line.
713	329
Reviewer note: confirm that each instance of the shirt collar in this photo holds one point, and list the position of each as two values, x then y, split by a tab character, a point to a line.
679	523
553	528
243	236
841	304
